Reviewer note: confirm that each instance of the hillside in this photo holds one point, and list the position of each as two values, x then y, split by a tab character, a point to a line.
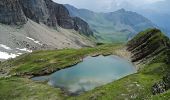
28	25
150	53
118	26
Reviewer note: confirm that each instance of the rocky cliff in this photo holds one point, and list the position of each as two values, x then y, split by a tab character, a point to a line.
40	11
11	12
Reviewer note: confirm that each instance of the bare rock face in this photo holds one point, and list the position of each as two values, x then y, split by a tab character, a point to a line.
47	12
35	10
58	14
82	26
11	12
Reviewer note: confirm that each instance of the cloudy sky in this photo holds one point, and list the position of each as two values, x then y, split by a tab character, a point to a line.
111	5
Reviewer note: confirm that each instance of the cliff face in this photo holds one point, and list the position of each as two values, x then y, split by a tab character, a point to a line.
11	12
35	10
40	11
59	15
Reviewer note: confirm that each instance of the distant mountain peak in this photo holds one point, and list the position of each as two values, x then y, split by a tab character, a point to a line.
108	25
121	10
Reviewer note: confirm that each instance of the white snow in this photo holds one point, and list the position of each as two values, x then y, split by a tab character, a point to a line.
38	42
5	55
19	53
5	47
24	49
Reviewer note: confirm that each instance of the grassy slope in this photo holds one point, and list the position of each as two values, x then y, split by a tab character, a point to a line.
50	61
16	88
136	86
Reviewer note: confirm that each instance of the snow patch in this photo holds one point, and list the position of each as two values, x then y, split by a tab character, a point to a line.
24	49
38	42
5	47
19	53
5	55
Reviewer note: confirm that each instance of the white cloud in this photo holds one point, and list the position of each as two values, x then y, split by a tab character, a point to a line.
107	5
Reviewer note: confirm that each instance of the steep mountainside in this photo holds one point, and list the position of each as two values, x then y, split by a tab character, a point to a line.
11	12
114	26
28	25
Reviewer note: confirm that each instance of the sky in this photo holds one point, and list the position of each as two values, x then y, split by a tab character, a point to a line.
112	5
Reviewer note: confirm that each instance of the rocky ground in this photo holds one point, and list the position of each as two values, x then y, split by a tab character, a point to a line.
33	36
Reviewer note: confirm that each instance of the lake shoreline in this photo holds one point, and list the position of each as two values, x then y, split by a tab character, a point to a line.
118	51
122	52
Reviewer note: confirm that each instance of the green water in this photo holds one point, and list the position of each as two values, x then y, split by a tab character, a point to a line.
91	73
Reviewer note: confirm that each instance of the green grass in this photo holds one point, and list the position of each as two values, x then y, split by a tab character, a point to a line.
133	87
15	88
137	86
41	62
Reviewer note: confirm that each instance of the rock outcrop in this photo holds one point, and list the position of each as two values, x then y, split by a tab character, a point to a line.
40	11
161	86
152	46
148	44
11	12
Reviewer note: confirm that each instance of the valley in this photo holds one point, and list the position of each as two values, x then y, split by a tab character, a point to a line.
52	51
112	27
151	69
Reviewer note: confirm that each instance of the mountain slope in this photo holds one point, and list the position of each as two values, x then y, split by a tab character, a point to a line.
28	25
159	18
114	26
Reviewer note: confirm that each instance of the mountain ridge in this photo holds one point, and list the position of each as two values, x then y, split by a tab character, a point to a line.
118	25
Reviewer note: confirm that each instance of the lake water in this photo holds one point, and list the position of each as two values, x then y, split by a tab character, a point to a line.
91	73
